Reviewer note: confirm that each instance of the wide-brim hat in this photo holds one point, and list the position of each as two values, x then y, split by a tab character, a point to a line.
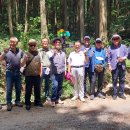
32	41
116	36
57	39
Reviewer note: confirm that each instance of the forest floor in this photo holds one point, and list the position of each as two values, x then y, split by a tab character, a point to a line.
99	114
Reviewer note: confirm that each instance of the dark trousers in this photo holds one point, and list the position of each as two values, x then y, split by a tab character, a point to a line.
100	78
118	73
30	82
57	81
88	73
13	78
46	81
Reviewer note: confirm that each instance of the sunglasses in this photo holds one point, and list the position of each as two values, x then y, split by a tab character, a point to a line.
98	42
32	45
117	38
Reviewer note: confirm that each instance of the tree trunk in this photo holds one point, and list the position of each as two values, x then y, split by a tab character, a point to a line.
81	15
26	17
65	14
97	18
103	20
44	31
10	18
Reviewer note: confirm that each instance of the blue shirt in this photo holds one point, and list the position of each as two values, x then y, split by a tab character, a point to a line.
98	57
88	52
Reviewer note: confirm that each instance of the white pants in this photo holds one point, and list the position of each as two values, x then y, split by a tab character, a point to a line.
78	75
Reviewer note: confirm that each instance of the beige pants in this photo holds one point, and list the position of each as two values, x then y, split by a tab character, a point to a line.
78	74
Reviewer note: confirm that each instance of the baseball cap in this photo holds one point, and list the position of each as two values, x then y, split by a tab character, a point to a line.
98	40
86	37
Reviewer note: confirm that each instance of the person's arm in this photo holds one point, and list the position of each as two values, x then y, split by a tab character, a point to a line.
69	64
24	60
109	55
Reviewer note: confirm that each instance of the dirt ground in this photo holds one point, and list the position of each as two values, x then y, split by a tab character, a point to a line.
99	114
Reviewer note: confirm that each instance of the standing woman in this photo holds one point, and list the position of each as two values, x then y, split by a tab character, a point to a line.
32	74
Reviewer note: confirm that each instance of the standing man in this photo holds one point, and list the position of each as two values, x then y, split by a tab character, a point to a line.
76	64
58	68
45	61
87	48
32	74
12	57
117	54
98	67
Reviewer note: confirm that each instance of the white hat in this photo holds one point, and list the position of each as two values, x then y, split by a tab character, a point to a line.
32	41
116	36
98	40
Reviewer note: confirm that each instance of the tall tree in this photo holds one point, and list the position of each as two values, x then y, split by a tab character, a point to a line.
9	10
81	14
44	31
101	19
26	17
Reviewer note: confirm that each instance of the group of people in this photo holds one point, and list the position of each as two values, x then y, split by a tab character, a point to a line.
50	64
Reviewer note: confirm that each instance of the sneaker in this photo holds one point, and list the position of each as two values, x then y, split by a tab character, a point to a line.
82	99
101	96
91	97
0	107
53	104
114	97
74	98
28	107
59	101
18	104
9	107
122	96
38	104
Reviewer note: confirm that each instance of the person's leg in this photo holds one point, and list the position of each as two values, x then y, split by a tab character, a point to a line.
75	78
60	83
54	78
100	82
115	74
17	88
85	78
121	82
100	85
47	85
80	72
28	92
92	86
9	87
37	90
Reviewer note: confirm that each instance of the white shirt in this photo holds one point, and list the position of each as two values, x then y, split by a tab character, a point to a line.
76	58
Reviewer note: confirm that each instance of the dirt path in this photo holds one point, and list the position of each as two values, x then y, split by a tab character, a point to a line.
100	114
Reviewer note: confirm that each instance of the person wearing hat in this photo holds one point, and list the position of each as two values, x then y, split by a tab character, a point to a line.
117	54
58	68
32	74
86	48
45	61
12	57
98	64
